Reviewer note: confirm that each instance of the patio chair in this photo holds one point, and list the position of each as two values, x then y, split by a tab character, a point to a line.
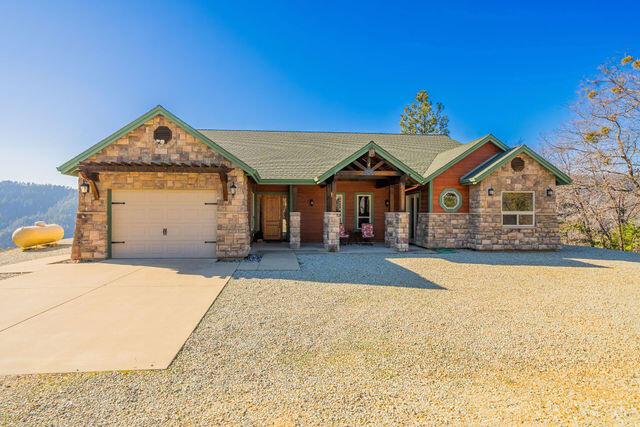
344	236
367	233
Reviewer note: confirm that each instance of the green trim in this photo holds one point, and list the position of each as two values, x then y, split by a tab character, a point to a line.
486	169
344	209
430	196
380	151
255	212
355	212
70	167
441	202
109	223
288	181
473	146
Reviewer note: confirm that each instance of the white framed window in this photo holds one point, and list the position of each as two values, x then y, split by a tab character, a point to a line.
340	206
364	209
518	208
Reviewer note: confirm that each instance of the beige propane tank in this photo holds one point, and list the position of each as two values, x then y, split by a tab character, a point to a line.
40	233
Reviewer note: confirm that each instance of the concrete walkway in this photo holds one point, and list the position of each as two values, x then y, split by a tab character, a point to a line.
104	316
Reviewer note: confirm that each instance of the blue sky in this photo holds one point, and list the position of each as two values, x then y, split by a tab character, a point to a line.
73	72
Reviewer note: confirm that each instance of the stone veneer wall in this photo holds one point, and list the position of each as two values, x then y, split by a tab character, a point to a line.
486	230
481	228
294	230
397	230
443	230
331	231
91	233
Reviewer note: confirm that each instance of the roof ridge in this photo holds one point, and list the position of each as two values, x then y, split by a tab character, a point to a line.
324	131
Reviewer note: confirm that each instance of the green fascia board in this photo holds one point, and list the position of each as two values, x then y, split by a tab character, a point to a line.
486	169
71	166
382	152
473	146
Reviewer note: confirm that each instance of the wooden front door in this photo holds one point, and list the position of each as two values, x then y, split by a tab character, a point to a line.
272	217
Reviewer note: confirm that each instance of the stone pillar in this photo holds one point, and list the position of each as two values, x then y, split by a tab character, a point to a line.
422	229
331	231
233	220
397	230
294	230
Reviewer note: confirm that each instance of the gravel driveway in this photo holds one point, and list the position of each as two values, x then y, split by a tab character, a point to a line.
352	339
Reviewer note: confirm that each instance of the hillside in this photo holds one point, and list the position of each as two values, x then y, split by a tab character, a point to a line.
23	204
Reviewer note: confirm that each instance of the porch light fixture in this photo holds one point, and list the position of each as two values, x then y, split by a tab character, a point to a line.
233	188
491	191
311	202
387	203
84	187
549	192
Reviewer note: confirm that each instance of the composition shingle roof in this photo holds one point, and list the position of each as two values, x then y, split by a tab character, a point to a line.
307	155
310	156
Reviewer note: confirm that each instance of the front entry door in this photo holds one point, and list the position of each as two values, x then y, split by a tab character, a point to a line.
412	204
272	217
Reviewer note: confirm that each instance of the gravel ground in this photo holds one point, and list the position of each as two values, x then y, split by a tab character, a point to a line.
12	256
460	337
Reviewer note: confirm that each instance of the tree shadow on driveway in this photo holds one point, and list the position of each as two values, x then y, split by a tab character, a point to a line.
347	269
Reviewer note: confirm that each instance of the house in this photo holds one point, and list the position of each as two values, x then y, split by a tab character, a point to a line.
160	188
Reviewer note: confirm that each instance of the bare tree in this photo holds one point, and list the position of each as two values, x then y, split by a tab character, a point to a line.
600	148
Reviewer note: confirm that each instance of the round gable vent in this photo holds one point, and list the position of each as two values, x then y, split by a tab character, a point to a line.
517	164
162	134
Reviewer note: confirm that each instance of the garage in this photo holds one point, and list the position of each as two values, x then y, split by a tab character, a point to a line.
163	223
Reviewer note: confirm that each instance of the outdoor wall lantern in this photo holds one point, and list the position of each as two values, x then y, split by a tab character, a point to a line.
233	188
491	191
311	202
84	187
386	203
549	192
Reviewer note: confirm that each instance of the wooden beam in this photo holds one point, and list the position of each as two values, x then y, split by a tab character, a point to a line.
92	168
91	179
359	165
354	174
401	198
225	190
377	165
294	197
392	198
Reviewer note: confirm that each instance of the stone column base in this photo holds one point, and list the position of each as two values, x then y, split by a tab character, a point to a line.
397	230
331	231
294	230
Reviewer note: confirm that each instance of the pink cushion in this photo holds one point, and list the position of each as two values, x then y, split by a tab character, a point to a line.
343	232
367	230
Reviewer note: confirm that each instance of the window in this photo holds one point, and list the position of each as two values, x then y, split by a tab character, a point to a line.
340	206
450	200
518	208
364	209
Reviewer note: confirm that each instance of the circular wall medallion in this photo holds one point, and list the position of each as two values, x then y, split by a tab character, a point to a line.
517	164
450	200
162	133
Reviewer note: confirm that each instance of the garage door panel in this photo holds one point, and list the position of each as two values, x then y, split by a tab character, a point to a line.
139	223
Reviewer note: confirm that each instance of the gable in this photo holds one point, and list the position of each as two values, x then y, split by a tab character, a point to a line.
501	161
139	145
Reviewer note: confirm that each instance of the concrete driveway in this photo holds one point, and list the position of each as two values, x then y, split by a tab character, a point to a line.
133	314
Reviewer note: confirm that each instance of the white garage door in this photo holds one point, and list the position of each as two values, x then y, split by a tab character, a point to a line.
163	224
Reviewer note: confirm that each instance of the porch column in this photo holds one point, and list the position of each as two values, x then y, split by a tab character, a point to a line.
294	230
331	220
396	224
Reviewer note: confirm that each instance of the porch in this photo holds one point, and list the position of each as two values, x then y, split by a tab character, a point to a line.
362	200
316	248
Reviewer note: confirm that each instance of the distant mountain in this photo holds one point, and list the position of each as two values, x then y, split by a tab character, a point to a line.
23	204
